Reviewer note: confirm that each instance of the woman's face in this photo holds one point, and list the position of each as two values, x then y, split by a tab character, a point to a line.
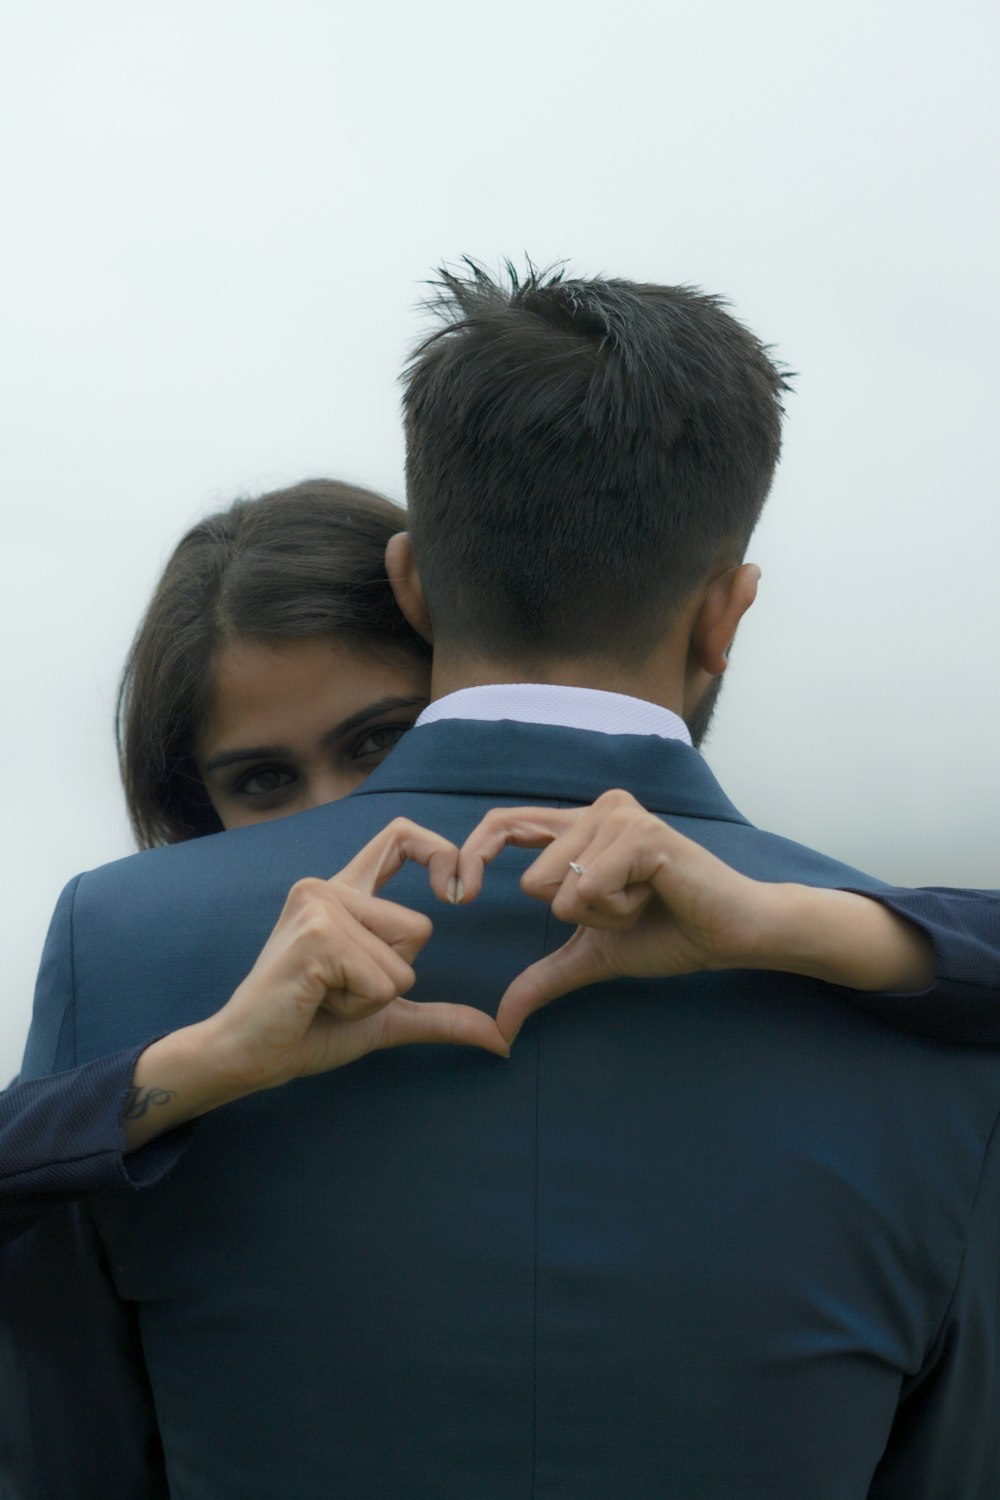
293	725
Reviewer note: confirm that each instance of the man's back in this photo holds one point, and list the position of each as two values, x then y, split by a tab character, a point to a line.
705	1239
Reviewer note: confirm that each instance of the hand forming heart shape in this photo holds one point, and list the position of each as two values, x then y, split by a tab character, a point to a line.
329	984
646	901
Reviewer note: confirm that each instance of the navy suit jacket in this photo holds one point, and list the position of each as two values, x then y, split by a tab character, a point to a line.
711	1237
62	1136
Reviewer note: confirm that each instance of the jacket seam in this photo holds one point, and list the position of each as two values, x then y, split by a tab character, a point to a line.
534	1313
939	1331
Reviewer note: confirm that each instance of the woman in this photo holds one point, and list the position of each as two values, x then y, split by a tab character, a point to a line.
272	672
273	627
274	623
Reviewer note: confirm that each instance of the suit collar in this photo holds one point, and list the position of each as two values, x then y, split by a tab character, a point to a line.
539	762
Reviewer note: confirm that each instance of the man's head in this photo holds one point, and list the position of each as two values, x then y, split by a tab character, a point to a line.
582	458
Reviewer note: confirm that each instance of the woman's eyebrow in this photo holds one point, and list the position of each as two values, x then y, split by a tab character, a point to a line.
279	752
372	711
234	757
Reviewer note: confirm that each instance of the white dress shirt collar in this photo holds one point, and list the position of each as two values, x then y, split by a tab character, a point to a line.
558	705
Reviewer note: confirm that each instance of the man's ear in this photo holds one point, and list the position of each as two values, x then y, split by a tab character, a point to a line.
726	601
404	580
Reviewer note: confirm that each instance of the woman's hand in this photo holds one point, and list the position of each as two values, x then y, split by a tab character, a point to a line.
327	988
649	902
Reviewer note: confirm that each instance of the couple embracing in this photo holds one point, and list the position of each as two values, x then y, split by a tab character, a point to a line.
723	1236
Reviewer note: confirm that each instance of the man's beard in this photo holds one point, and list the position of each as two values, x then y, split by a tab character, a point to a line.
700	721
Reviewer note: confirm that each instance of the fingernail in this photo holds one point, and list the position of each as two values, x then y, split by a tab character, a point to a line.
455	889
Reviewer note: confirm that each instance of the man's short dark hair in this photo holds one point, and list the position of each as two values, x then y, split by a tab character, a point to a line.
579	454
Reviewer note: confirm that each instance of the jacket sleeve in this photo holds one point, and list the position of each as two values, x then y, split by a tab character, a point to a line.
963	1004
63	1136
61	1132
76	1413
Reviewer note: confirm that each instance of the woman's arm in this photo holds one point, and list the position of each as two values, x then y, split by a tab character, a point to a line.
650	902
962	1003
63	1136
327	986
326	989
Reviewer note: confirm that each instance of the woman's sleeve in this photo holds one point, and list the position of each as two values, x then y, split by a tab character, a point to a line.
62	1136
963	1004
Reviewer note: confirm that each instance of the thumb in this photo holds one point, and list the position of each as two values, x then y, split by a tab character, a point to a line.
575	964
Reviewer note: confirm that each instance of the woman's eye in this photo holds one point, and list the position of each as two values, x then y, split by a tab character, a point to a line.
379	741
264	783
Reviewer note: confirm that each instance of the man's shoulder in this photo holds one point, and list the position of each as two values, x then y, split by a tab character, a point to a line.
225	891
317	842
771	856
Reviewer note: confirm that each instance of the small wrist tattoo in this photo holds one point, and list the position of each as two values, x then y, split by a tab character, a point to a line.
138	1101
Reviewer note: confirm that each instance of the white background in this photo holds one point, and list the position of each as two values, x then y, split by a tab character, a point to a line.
216	219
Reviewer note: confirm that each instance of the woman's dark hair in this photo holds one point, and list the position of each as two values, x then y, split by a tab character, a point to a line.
579	455
299	562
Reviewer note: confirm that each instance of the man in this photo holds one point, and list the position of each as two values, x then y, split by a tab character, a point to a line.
722	1238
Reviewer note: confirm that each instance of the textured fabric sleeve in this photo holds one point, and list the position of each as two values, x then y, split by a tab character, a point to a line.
963	1004
60	1125
62	1136
76	1414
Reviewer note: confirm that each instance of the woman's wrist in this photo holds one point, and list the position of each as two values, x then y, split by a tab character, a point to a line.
843	938
176	1079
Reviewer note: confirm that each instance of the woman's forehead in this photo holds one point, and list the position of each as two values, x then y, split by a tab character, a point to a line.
264	693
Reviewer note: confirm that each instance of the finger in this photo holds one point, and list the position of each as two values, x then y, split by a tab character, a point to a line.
407	1021
654	855
575	964
614	817
367	982
330	924
607	886
404	930
525	827
374	865
571	835
607	911
320	944
611	878
568	859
